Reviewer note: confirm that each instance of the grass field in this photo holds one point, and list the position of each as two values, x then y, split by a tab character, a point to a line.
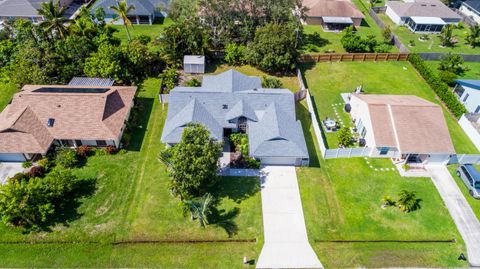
432	45
327	80
472	73
132	202
342	200
152	31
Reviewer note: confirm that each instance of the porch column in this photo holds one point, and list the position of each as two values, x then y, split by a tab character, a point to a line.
150	20
138	20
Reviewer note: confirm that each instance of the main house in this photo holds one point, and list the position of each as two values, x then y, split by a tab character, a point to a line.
471	9
40	117
333	15
421	16
145	11
468	92
402	126
233	102
25	9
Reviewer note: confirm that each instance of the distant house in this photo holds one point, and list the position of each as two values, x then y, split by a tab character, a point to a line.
40	117
25	9
421	16
333	15
471	8
402	126
233	102
468	92
145	12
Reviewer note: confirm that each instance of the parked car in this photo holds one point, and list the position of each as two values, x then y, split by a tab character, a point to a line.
471	178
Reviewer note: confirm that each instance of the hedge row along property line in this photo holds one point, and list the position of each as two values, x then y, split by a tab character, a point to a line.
439	87
386	241
130	242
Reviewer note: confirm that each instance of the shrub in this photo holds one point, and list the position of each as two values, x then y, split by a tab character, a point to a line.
35	171
452	63
234	54
110	150
67	158
411	43
311	48
27	164
387	34
447	77
83	151
45	163
383	48
439	87
241	142
193	83
169	78
18	177
345	136
143	39
271	83
252	163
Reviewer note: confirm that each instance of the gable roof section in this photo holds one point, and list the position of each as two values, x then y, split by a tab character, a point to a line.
471	83
332	8
425	8
474	4
77	115
409	123
19	8
231	81
241	109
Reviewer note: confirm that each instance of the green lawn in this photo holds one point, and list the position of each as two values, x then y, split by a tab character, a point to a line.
132	202
327	80
152	31
7	90
474	203
342	200
432	45
472	73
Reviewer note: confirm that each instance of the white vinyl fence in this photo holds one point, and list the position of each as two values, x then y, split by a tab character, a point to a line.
347	153
316	127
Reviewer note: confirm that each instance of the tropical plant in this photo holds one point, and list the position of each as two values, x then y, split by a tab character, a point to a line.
408	201
169	78
473	36
54	19
122	9
200	208
446	36
388	201
27	164
387	34
271	83
452	63
345	136
66	158
240	141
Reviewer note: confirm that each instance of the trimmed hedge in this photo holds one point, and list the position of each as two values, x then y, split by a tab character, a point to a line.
439	87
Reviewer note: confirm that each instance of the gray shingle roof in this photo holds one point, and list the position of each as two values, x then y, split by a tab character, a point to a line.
20	8
475	4
422	8
142	7
272	128
85	81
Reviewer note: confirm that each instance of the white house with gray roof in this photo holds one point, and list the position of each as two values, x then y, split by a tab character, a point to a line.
145	11
234	102
25	9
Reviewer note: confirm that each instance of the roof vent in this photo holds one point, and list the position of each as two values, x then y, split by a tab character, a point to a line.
50	122
255	89
225	106
423	5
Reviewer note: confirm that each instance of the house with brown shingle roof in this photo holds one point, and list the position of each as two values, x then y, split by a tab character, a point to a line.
402	126
42	116
333	15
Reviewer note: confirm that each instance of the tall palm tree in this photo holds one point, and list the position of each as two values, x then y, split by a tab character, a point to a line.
473	36
54	20
122	10
446	35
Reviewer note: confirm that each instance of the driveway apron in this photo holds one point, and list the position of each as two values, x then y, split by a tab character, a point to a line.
286	242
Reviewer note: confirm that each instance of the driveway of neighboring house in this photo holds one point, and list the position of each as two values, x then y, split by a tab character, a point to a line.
286	242
9	170
466	221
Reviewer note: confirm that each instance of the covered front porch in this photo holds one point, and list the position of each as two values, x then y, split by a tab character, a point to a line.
336	24
425	24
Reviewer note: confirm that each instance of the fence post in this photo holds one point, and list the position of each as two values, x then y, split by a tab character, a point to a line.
350	154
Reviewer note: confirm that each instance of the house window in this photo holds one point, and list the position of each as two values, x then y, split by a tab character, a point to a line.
477	110
101	143
384	150
359	124
78	142
466	97
67	143
364	132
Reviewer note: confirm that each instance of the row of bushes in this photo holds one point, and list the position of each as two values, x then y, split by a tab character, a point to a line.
439	87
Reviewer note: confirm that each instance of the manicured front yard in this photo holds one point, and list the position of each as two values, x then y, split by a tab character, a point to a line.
327	80
342	201
131	201
432	45
472	73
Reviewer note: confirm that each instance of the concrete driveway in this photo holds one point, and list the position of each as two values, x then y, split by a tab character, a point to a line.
286	241
8	170
461	212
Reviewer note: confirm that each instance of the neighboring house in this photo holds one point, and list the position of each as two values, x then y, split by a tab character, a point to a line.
25	9
468	92
40	117
421	16
233	102
145	11
402	126
333	15
471	9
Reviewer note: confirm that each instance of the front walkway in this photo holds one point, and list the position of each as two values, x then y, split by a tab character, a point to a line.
286	242
461	212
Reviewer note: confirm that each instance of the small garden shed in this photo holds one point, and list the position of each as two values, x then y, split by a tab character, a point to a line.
194	64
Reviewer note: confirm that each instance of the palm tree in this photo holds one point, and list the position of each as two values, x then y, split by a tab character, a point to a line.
446	35
200	208
473	36
122	10
54	19
408	201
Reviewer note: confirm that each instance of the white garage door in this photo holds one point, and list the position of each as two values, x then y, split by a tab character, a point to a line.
12	157
279	161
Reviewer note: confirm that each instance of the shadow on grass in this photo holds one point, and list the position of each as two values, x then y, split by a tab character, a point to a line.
235	188
139	120
225	219
314	39
304	115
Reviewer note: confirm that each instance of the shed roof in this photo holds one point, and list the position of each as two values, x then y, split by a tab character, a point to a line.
428	20
194	59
